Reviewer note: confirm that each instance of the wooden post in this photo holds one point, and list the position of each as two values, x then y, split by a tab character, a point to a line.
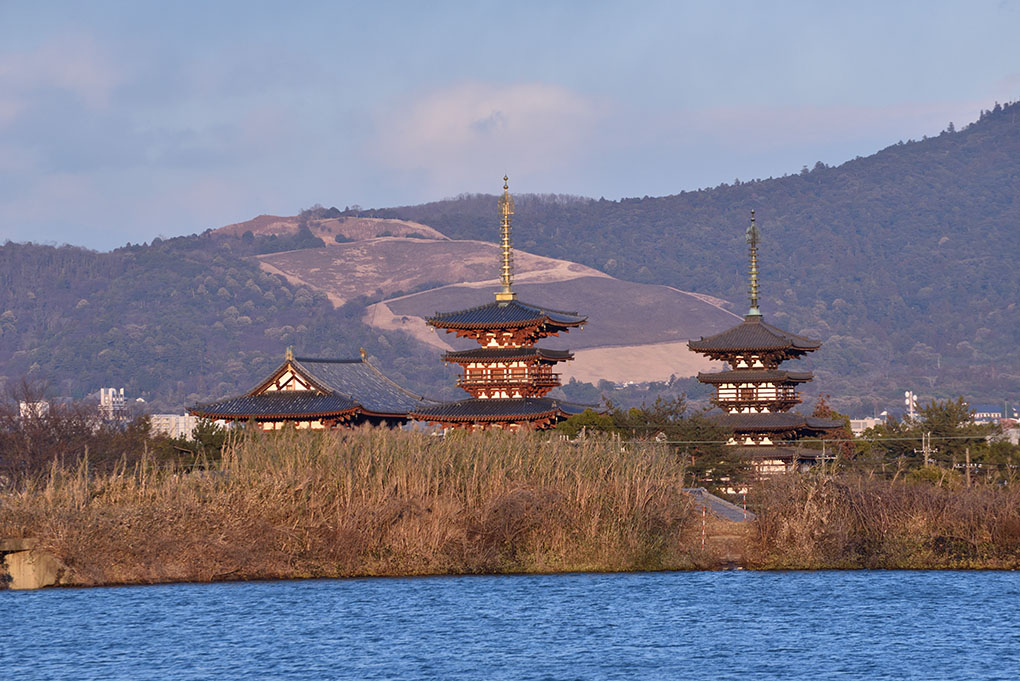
967	454
703	514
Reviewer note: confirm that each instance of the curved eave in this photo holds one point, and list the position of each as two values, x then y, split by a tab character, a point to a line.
751	376
488	418
544	323
502	355
505	410
288	416
513	314
790	348
754	335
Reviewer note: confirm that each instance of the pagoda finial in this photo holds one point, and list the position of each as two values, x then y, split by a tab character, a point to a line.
506	275
753	237
364	355
290	353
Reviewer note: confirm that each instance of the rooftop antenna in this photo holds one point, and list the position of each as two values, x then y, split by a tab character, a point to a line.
506	276
753	237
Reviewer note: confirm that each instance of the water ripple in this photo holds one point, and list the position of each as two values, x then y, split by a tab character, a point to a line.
720	625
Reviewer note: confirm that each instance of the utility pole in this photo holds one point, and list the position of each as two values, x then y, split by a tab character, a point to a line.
967	455
926	448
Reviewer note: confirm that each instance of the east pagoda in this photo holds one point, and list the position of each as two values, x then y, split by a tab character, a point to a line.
755	394
507	377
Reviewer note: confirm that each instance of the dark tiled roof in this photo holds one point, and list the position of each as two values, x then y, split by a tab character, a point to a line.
755	376
508	354
521	408
361	382
773	421
785	453
754	334
764	422
823	424
278	404
510	314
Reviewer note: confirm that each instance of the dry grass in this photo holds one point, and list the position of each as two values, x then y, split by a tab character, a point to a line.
856	521
365	503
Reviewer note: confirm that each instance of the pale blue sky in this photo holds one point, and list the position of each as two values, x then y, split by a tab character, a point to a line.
121	121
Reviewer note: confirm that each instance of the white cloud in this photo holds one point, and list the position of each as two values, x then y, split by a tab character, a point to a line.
456	136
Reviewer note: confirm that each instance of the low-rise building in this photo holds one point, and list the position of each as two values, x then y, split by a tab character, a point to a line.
174	425
858	426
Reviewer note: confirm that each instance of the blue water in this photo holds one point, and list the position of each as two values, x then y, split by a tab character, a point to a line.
718	625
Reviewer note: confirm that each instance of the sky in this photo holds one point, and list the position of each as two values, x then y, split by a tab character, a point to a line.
124	121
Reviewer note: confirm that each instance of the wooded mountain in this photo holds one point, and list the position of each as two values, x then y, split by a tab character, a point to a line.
176	321
902	263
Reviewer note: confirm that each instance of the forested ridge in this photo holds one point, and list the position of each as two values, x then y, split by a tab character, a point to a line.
175	322
903	262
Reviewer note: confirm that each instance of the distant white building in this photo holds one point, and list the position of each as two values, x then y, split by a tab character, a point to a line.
174	425
33	410
111	404
992	413
858	426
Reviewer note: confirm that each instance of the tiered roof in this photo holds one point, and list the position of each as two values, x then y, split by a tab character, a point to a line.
529	354
754	335
510	314
491	410
775	422
755	376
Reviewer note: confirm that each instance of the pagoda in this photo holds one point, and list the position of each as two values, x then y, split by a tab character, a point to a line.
755	395
507	377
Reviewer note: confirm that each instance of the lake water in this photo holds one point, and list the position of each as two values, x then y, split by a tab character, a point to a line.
716	625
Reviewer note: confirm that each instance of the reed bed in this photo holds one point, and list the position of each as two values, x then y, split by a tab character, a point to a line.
861	521
369	502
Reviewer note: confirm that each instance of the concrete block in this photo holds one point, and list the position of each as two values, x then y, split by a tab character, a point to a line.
32	569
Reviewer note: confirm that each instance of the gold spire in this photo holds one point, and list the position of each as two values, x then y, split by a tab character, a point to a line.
753	236
290	353
506	275
364	355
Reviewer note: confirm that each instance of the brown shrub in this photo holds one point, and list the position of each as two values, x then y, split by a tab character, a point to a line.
859	521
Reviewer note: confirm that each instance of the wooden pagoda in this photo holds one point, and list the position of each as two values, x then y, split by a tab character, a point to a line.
755	394
507	377
314	393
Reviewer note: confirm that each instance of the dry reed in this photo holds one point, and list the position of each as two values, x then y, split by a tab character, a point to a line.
370	502
859	521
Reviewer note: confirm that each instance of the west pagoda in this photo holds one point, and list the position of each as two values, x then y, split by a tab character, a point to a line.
507	377
755	394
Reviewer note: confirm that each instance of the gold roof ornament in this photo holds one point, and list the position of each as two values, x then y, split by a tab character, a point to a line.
753	237
364	354
506	276
290	353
